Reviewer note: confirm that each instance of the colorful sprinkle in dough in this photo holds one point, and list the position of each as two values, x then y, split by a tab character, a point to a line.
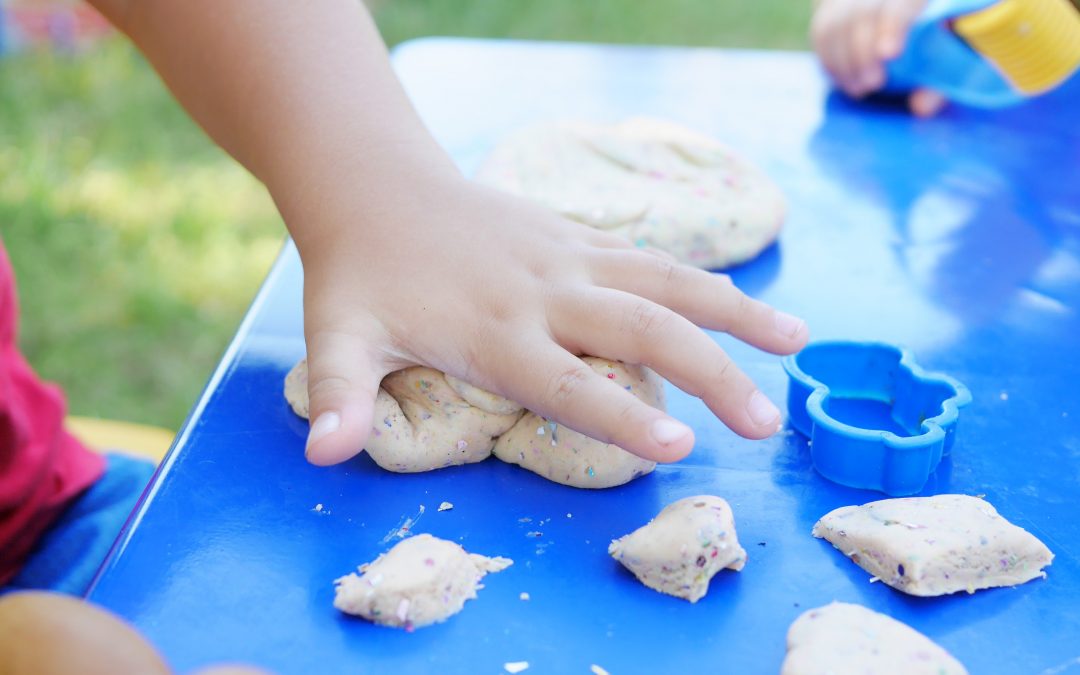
680	550
420	581
426	420
654	182
935	545
844	639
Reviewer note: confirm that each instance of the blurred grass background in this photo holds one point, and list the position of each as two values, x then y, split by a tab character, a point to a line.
137	244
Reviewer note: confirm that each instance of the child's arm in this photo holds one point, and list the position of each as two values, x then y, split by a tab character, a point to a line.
406	262
854	39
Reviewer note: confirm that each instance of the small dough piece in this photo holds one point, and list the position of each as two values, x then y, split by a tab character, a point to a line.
935	545
652	181
571	458
420	581
845	639
426	420
680	550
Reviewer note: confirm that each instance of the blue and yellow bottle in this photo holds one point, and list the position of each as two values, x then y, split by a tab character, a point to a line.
989	53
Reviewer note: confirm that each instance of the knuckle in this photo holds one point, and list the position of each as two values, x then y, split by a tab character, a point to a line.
322	388
565	385
667	270
646	320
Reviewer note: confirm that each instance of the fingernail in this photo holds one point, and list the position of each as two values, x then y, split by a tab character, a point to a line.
761	410
788	325
666	431
328	423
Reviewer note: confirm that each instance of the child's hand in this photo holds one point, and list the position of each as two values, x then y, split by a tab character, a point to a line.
405	262
854	39
503	294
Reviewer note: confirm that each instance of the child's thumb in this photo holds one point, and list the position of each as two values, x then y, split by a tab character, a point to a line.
342	386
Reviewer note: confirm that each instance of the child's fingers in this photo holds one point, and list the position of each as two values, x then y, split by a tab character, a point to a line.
708	300
621	326
343	382
825	37
869	73
560	386
894	20
926	102
833	42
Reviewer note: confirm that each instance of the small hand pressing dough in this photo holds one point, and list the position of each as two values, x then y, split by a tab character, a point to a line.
935	545
427	420
654	182
844	639
680	550
420	581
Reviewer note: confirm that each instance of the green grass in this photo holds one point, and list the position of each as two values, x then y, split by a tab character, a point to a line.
138	244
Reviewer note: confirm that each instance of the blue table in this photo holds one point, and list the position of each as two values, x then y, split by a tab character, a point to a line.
958	237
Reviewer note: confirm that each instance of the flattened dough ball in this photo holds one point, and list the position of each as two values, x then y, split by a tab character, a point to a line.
680	550
652	181
935	545
570	458
420	581
844	639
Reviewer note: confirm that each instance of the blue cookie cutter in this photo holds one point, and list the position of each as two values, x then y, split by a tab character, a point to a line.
875	419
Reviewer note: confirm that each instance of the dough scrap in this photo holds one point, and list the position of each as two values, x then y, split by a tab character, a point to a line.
420	581
680	550
565	456
427	420
654	182
845	639
936	545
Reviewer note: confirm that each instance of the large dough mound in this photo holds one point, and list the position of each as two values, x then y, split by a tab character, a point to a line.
420	581
427	420
935	545
680	550
843	639
654	182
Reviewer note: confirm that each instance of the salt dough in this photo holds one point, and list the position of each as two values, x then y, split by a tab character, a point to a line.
654	182
420	581
680	550
935	545
844	639
427	420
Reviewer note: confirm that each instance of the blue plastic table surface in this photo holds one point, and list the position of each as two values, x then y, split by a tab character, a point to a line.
958	237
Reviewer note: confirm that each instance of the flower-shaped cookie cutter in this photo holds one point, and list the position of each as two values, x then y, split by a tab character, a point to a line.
875	419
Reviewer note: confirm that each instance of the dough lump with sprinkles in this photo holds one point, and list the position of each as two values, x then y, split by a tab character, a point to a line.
931	546
426	420
654	182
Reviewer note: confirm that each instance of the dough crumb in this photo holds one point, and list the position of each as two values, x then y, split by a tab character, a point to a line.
516	666
597	670
931	546
680	550
844	639
318	508
524	596
420	581
445	506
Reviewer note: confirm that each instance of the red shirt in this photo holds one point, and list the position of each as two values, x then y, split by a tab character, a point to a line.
42	467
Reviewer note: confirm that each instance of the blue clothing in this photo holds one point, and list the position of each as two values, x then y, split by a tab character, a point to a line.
70	553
